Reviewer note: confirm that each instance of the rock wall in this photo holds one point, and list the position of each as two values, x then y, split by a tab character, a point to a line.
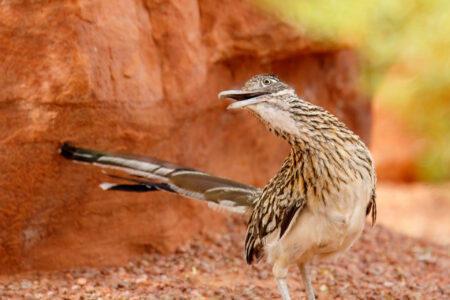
395	148
139	77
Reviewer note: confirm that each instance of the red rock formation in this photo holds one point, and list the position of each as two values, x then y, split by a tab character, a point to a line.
139	77
395	148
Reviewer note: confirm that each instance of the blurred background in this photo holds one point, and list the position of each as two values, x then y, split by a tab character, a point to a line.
404	48
404	51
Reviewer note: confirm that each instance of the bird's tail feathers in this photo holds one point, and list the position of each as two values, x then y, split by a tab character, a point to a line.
158	175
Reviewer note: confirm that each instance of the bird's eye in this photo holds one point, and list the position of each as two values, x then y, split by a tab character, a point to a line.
267	81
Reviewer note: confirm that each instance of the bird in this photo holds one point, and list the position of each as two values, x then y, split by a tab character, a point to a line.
315	206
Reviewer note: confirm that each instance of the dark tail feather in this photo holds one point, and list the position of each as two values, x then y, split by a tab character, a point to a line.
141	186
74	153
129	187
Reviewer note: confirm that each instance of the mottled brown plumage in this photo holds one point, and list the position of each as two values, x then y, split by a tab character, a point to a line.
315	206
323	156
327	182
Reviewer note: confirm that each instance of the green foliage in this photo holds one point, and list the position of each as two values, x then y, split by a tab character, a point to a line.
405	46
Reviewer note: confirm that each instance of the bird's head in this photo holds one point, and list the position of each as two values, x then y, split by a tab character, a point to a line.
270	99
258	89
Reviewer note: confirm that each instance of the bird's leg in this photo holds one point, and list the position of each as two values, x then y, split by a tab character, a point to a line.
282	287
306	281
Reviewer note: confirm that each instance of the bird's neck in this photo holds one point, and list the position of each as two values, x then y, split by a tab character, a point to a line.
320	163
323	149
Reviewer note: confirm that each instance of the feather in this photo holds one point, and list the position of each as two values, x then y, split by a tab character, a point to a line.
158	175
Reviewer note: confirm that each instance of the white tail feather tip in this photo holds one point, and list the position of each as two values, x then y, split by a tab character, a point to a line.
220	207
227	203
106	185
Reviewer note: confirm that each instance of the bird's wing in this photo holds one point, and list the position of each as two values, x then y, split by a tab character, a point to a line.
155	174
274	210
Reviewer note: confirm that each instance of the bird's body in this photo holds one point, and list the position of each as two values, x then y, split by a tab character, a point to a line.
293	226
315	206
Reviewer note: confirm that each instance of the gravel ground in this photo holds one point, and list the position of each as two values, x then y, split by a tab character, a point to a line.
381	265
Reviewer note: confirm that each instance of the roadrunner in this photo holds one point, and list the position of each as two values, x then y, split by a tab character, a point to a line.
315	206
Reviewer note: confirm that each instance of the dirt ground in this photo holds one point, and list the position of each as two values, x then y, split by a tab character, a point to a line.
416	209
383	264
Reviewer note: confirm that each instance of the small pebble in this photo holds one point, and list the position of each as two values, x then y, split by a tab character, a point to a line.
89	288
141	278
323	288
25	284
81	281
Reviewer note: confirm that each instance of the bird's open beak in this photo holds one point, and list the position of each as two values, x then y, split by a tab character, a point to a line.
243	98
